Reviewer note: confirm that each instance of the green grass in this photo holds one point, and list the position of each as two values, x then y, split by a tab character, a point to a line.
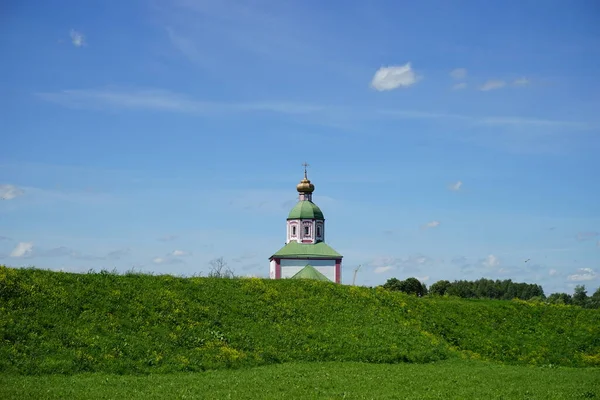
452	379
52	322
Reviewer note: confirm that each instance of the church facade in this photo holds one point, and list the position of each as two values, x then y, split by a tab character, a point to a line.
305	253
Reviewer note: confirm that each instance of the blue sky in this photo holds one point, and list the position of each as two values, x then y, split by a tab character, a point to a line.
447	140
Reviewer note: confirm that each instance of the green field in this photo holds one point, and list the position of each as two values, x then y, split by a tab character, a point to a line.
104	335
454	379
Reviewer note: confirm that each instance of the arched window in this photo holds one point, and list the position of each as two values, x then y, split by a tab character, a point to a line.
293	230
319	230
307	230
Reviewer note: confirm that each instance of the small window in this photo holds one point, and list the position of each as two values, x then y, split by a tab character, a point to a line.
318	231
294	230
306	231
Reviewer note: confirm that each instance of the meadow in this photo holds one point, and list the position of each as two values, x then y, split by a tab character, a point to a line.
147	334
450	379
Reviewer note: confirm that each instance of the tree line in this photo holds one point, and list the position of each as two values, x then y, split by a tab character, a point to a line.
494	289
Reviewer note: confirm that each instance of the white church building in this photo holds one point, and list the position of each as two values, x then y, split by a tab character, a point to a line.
305	254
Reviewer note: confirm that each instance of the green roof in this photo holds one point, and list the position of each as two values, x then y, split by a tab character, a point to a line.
309	272
306	210
307	250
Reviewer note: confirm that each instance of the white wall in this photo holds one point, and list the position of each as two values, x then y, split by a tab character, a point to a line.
272	266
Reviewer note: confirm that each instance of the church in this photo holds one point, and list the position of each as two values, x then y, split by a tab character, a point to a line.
305	254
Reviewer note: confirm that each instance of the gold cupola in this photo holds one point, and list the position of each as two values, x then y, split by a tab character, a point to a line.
305	188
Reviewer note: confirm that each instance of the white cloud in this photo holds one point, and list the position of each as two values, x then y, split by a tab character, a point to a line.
552	272
179	253
456	186
491	261
22	249
458	73
9	192
492	84
389	78
158	260
381	270
77	38
459	86
432	224
521	82
422	278
583	274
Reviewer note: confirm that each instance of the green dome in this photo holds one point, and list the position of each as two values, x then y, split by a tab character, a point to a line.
306	210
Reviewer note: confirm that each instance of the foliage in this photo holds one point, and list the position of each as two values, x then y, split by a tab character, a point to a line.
439	288
409	286
453	379
560	298
55	322
487	289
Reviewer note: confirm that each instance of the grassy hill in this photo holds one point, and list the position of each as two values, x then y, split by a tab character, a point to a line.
53	322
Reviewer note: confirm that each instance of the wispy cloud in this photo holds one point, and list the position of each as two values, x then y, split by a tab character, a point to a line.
167	238
77	38
432	224
490	261
492	85
584	236
521	82
583	274
163	100
483	119
167	260
410	264
22	249
208	32
459	86
118	254
458	73
455	187
389	78
188	48
9	192
174	257
64	251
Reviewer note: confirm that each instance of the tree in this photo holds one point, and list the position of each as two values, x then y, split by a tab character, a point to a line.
393	284
219	269
595	299
414	286
559	298
410	286
439	288
580	296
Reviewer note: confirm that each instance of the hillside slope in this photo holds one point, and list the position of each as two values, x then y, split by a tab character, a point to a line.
53	322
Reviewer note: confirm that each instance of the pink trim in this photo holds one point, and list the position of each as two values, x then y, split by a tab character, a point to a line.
277	268
338	270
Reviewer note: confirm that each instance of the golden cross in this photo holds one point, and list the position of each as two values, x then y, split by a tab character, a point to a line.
305	165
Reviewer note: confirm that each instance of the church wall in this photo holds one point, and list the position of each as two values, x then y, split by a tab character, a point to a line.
272	266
